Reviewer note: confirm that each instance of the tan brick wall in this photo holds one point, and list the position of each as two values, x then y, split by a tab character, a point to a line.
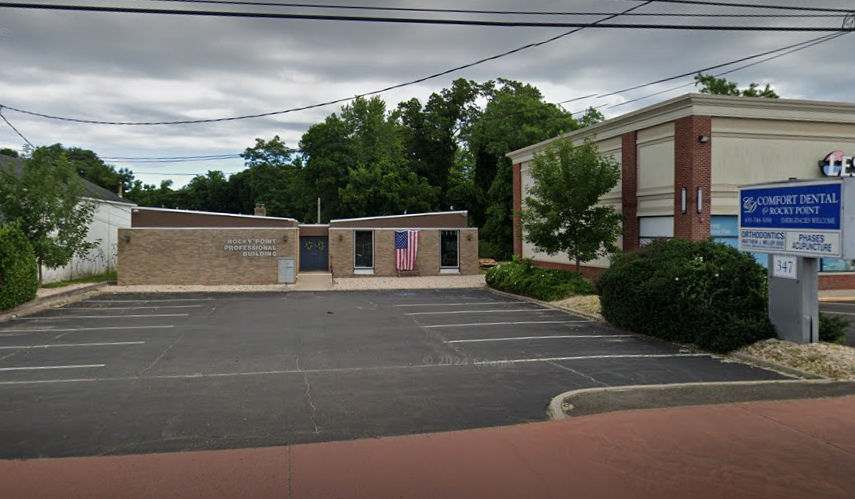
341	253
198	256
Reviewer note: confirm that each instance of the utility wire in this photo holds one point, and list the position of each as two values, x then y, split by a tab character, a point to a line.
751	5
337	101
15	129
815	42
405	20
471	11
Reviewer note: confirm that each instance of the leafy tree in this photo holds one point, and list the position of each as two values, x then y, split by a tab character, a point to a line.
562	213
274	177
327	149
92	168
9	152
45	200
722	86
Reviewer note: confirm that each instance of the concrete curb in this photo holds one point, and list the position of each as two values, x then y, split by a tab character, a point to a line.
768	364
54	300
586	315
838	299
560	404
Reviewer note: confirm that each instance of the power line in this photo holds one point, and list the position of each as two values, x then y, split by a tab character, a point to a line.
751	6
338	101
814	42
162	174
472	11
403	20
15	129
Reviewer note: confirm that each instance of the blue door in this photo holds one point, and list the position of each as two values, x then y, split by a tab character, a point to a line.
314	253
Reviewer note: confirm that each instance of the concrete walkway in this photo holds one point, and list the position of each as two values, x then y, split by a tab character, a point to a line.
776	450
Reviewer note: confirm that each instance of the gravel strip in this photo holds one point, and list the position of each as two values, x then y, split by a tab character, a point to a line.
588	304
427	282
196	289
825	359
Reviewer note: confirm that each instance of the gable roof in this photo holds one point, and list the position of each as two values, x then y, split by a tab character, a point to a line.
91	190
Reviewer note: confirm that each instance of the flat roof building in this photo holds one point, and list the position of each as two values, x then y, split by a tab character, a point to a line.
702	147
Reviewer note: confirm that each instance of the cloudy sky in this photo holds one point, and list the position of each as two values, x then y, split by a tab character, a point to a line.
134	67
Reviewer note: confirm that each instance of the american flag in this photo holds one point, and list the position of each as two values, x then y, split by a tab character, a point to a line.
406	249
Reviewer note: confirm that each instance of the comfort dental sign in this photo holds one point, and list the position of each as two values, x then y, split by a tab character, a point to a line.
794	218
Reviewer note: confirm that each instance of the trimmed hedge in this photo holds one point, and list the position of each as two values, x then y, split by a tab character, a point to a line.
832	329
19	279
697	292
521	277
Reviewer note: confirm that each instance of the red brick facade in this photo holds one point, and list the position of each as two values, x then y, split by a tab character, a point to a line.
629	190
837	281
517	208
692	170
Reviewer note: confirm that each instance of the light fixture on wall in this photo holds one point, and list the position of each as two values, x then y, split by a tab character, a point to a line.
700	198
285	238
683	201
127	238
703	139
340	238
468	237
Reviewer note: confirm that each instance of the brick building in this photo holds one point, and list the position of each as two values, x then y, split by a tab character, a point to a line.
166	246
683	159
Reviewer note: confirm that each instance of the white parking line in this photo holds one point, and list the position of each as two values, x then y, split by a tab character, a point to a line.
484	311
63	317
133	308
149	301
504	323
558	359
58	345
80	329
37	368
553	337
458	304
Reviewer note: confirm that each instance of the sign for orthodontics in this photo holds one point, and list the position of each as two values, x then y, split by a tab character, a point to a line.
802	218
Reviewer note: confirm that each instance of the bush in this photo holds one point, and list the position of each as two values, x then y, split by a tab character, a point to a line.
19	279
703	293
521	277
832	329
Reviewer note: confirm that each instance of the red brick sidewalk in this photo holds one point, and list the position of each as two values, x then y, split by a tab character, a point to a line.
777	450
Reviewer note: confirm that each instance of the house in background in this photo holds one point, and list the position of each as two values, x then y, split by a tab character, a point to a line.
112	212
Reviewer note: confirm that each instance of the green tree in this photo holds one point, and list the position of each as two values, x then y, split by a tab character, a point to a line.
562	212
45	200
722	86
273	177
90	167
9	152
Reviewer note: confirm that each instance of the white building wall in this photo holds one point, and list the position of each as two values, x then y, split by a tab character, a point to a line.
106	222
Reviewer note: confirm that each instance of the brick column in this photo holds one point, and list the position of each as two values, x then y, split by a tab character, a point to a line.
629	190
692	169
517	208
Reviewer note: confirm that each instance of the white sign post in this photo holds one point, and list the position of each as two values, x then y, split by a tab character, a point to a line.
797	223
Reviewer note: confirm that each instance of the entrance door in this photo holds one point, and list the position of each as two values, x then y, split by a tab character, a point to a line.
314	253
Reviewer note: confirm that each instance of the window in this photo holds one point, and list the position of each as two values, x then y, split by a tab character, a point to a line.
834	265
650	228
448	249
363	249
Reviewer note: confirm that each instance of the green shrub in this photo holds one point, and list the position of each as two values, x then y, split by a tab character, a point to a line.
703	293
19	279
832	329
521	277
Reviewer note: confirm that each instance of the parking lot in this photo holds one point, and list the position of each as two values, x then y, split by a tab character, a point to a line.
120	374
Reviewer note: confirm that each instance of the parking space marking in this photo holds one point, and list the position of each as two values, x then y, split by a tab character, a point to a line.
459	304
551	337
38	368
505	323
133	308
70	330
484	311
63	317
59	345
588	357
149	301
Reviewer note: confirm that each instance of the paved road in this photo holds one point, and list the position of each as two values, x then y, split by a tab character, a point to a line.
120	374
842	309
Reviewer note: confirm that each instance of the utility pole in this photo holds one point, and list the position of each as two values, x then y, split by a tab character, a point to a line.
319	210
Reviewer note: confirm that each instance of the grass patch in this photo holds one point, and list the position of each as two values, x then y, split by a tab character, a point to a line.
83	280
521	277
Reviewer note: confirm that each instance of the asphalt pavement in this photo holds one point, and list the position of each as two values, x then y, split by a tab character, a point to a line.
129	374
